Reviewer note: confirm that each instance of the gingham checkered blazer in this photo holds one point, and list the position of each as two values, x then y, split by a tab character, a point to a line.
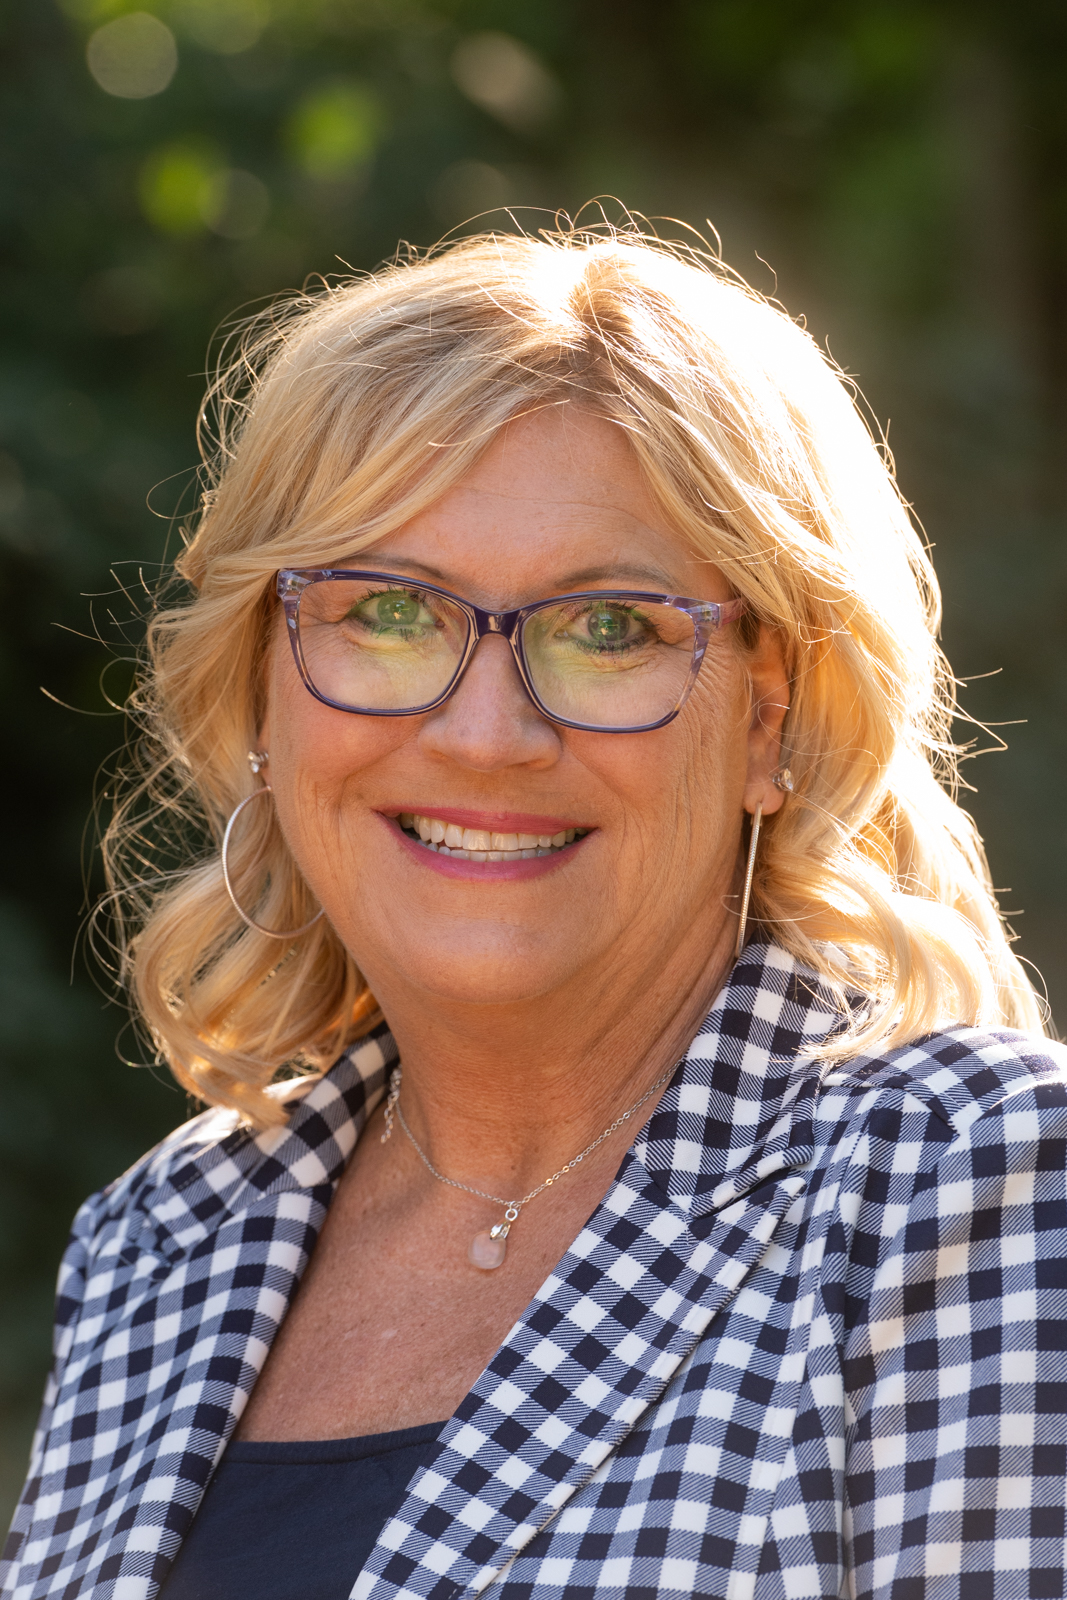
812	1343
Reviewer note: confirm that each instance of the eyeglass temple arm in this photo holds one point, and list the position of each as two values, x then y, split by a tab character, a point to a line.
717	613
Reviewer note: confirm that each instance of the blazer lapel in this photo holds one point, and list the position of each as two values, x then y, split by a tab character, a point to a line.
193	1269
693	1208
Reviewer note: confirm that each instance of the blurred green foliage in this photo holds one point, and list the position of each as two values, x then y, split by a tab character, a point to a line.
897	168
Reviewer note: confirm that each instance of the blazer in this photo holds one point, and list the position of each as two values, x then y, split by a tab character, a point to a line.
812	1343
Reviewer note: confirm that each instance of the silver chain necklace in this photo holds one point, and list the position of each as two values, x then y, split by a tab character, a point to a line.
488	1248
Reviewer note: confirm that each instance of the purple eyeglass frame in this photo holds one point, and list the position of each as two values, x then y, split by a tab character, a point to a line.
707	616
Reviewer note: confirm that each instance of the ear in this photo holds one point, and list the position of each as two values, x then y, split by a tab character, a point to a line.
770	702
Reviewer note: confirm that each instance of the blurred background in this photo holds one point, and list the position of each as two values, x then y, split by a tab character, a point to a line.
895	172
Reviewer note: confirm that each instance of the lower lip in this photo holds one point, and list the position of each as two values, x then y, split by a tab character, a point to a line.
481	871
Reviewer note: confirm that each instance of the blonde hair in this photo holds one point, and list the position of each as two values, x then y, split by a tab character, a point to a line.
343	412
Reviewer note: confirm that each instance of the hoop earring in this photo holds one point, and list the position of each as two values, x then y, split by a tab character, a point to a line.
757	819
270	933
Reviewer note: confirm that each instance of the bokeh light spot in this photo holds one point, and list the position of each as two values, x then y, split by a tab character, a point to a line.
507	79
466	189
334	131
122	300
179	188
225	26
237	204
133	57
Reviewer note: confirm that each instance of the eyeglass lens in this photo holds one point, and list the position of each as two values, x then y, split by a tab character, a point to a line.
607	661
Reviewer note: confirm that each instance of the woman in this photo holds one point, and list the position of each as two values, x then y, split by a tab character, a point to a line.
586	660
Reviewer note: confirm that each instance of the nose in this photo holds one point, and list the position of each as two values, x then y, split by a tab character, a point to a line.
489	722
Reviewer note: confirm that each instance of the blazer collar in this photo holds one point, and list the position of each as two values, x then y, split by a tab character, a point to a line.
214	1169
694	1205
740	1106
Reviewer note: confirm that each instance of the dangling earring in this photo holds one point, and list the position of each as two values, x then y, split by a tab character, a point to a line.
782	779
757	819
256	760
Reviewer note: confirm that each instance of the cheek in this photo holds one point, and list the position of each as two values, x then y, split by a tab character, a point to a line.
327	751
319	759
715	729
311	743
684	783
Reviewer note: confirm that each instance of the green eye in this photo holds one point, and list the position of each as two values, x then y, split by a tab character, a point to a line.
394	614
396	611
608	626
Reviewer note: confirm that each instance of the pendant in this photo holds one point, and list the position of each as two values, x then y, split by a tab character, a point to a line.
487	1250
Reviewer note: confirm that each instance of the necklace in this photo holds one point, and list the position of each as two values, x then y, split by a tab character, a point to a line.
488	1248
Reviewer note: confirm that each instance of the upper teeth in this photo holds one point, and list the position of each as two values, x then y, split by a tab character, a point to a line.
477	844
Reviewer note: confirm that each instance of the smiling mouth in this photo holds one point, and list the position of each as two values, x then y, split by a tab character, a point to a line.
476	844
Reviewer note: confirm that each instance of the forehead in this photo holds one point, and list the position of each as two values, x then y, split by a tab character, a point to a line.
558	498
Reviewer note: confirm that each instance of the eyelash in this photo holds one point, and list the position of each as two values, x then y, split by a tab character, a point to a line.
583	608
375	594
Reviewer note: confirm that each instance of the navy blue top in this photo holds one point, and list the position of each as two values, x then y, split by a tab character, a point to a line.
295	1521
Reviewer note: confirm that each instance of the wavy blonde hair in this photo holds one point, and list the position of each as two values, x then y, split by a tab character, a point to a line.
339	414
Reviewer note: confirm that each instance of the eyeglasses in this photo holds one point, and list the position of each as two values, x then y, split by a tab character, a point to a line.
602	660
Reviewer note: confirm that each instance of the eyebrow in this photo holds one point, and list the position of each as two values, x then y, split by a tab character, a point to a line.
625	571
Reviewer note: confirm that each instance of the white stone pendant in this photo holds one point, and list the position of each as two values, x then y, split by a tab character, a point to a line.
487	1250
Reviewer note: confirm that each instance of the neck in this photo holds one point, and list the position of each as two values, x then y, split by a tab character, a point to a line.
502	1095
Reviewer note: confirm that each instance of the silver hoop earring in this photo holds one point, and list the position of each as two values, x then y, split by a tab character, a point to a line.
757	819
271	933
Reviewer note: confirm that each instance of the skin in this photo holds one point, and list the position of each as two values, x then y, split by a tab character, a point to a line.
529	1011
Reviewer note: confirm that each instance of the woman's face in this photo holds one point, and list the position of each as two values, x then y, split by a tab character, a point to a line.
557	503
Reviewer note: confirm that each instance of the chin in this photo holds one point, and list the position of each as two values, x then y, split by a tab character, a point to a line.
492	973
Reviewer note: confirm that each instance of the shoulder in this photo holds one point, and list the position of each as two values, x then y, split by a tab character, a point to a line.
201	1170
206	1140
962	1085
215	1167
